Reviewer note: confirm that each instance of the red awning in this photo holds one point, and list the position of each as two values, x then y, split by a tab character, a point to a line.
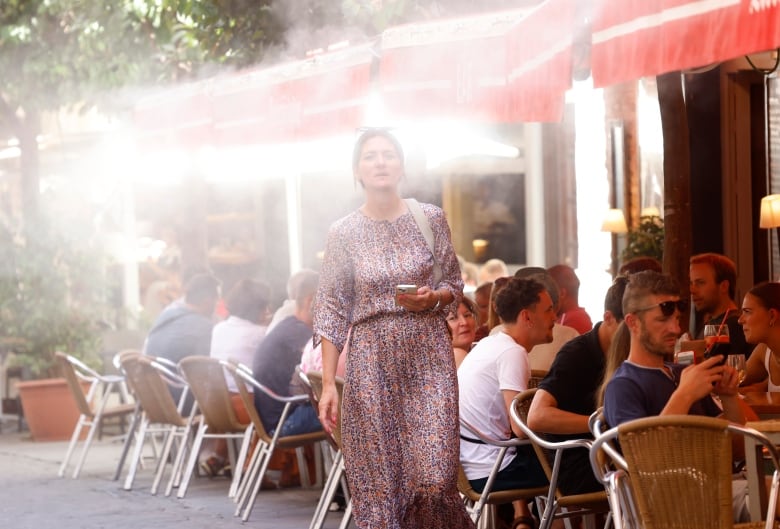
317	97
175	118
637	38
540	62
452	68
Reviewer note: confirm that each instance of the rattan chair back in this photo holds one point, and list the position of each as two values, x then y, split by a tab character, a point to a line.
205	377
151	387
680	471
76	374
537	375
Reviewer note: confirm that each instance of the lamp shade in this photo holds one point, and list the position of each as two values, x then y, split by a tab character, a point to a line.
770	212
615	221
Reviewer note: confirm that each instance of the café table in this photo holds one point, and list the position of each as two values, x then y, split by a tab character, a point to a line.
767	407
757	503
765	404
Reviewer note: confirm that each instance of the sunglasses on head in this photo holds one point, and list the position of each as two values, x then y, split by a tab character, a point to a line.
667	307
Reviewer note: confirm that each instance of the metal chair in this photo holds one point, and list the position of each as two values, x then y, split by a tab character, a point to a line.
487	500
336	476
151	381
205	377
675	471
92	416
136	415
553	503
266	444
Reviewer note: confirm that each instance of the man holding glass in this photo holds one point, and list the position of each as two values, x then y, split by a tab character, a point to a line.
645	385
713	279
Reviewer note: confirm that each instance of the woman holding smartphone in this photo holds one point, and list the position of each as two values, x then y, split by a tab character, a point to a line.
400	411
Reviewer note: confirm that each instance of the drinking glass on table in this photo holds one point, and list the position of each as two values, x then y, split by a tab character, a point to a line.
737	361
716	341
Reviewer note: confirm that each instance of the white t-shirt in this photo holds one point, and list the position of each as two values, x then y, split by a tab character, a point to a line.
496	363
236	339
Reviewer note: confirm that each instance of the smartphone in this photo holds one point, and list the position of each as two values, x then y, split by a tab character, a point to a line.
404	289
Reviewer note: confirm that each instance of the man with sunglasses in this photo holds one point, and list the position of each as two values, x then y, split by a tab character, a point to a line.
645	384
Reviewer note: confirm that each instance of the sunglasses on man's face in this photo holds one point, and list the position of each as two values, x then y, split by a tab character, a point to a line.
667	307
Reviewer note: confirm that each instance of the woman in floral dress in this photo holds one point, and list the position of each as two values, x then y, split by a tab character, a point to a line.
400	410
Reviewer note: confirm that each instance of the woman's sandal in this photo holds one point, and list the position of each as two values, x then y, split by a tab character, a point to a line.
527	521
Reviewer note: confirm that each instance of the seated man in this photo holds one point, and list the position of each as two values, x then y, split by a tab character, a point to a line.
490	377
541	356
275	361
185	329
569	310
713	279
645	385
568	395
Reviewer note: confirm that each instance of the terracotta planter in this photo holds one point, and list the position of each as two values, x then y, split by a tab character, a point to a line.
49	408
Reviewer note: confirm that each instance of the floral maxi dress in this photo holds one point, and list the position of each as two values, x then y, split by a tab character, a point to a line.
400	404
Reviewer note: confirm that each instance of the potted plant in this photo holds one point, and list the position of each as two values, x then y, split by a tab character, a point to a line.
647	240
50	299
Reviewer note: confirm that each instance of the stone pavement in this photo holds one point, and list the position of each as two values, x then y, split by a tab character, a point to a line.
33	497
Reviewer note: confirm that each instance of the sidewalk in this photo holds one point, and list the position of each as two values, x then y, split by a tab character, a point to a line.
33	497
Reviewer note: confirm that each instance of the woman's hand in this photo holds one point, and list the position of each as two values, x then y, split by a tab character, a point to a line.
729	382
425	299
329	407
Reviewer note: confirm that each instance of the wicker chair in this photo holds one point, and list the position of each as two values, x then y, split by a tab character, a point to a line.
92	416
150	381
487	500
250	486
679	471
205	378
552	502
336	476
537	375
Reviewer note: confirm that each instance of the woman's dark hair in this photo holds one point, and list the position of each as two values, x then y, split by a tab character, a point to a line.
768	294
248	299
375	133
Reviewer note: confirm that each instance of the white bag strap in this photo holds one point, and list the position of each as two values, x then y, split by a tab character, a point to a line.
425	228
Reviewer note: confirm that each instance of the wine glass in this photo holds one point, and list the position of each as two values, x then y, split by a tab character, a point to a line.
716	340
737	361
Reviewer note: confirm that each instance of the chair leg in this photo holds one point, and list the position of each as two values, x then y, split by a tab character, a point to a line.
137	454
162	462
238	469
72	445
303	467
328	492
347	516
193	461
178	463
96	424
261	452
131	431
257	484
93	428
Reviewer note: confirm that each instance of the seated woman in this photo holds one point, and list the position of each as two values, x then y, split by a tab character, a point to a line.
463	323
760	320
